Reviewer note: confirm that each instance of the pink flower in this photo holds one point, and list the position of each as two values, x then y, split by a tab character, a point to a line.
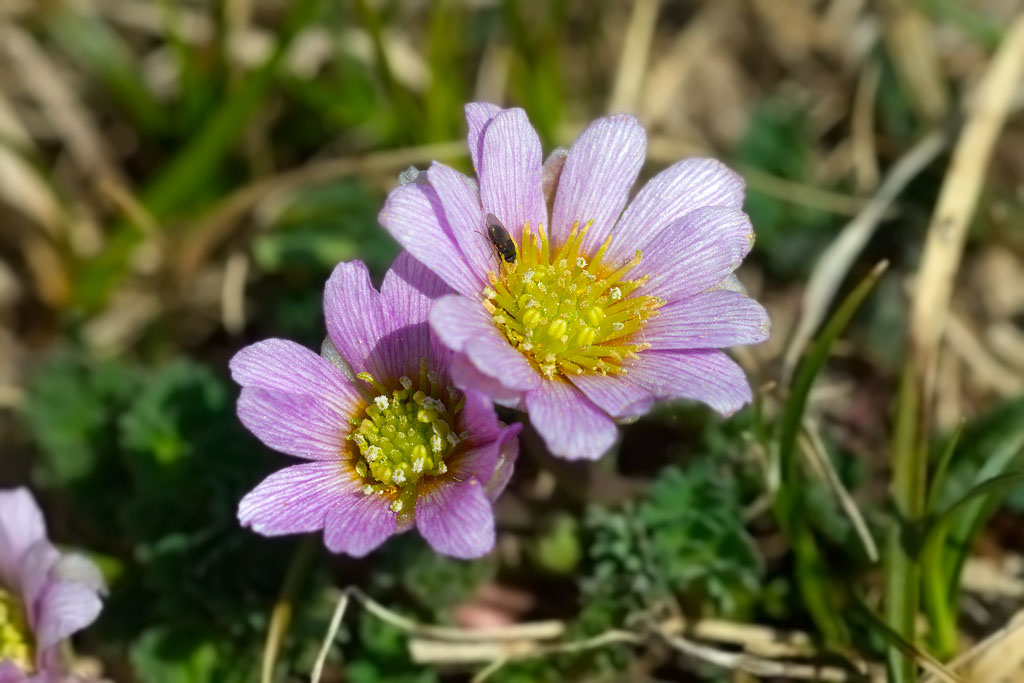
391	443
44	596
606	307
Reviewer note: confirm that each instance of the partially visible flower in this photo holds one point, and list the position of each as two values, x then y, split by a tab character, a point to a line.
44	596
392	443
605	308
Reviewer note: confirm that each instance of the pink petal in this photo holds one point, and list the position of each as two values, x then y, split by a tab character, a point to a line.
705	375
602	165
507	456
464	326
355	318
408	293
79	568
713	319
9	673
510	172
456	519
670	195
465	376
615	395
21	526
414	216
551	174
64	607
480	456
478	117
297	499
695	252
570	424
35	574
359	524
461	204
306	426
282	366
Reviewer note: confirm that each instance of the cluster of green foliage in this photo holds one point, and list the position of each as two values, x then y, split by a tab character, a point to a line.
150	464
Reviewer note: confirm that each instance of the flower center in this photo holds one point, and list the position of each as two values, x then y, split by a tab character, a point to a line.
15	637
405	435
567	314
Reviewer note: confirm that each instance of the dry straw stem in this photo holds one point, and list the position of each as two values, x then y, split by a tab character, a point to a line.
814	448
986	113
911	46
60	106
517	633
211	232
633	58
250	45
862	129
672	70
993	660
835	261
986	369
232	299
762	648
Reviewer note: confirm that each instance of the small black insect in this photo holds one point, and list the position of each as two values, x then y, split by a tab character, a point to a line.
500	238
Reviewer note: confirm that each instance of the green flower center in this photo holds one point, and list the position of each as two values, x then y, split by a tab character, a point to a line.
15	637
567	314
405	434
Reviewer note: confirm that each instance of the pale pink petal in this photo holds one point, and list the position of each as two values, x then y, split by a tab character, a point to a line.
74	567
478	117
414	216
552	174
670	195
64	607
465	376
614	394
570	424
9	673
602	165
478	417
507	456
306	426
713	319
297	499
282	366
456	519
464	326
21	526
355	318
359	524
461	204
35	574
695	253
705	375
408	293
510	173
331	355
480	457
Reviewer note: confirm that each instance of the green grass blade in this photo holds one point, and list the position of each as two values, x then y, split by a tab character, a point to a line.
92	45
808	371
789	503
938	479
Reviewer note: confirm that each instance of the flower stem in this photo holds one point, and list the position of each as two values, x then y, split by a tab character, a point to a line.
281	616
903	569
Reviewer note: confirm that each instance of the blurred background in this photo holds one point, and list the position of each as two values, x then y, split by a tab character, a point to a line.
178	178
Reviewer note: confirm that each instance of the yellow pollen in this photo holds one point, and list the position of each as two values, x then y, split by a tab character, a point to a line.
16	642
566	309
401	435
